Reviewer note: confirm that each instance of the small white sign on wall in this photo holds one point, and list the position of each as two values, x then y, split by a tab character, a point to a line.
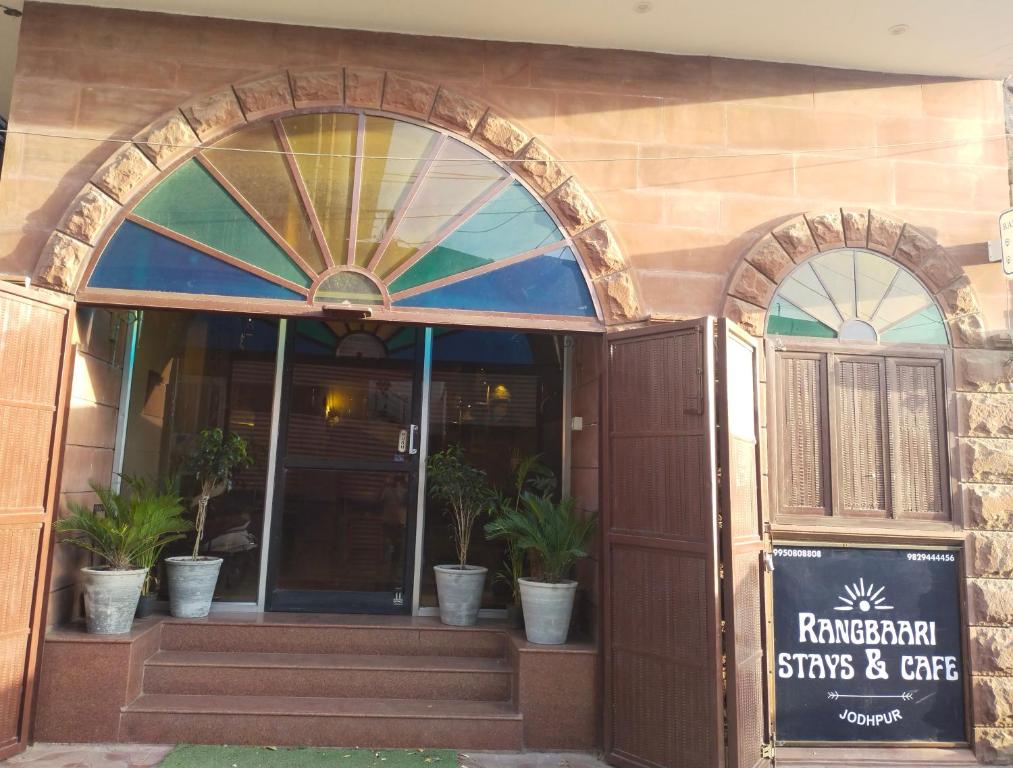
1006	240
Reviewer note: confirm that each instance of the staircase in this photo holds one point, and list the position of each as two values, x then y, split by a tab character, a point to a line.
299	681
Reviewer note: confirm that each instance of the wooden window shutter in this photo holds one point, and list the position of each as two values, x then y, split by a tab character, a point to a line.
917	442
859	403
804	428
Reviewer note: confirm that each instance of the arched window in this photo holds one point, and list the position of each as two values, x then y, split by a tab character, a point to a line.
346	208
855	295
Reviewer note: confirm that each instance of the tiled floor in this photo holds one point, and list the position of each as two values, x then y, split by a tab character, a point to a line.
147	756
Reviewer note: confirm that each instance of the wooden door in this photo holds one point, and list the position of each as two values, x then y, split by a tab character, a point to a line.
661	628
743	547
34	376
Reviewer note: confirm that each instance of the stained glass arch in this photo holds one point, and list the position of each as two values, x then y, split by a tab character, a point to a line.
853	294
349	208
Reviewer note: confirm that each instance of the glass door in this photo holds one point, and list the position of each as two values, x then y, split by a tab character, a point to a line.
343	528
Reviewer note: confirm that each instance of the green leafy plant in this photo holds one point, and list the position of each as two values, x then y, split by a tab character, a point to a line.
213	463
464	489
130	530
154	501
549	532
530	475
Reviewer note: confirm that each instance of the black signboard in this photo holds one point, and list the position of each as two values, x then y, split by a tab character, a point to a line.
867	645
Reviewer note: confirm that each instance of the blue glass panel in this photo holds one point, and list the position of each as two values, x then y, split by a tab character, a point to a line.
506	347
926	327
141	260
551	284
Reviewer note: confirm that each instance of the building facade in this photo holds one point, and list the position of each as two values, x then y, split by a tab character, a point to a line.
190	190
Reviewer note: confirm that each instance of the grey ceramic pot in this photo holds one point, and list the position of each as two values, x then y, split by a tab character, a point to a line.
547	610
110	599
191	585
459	591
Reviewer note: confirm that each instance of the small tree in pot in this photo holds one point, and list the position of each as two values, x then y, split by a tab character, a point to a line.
554	538
192	578
466	492
125	534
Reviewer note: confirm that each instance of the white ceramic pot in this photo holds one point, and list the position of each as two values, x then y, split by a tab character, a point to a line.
459	591
191	585
547	610
110	599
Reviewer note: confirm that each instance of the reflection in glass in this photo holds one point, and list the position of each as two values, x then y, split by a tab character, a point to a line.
351	287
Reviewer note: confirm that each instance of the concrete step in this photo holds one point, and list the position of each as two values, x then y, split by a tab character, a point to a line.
299	633
318	722
462	678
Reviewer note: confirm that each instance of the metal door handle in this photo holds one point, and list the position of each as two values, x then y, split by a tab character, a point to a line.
412	448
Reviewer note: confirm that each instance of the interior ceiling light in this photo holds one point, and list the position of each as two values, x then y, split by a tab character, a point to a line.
8	11
642	7
898	29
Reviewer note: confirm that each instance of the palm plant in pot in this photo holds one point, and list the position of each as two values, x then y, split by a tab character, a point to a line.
192	578
554	538
466	493
123	533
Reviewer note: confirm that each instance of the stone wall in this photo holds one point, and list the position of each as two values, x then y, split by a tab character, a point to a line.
985	425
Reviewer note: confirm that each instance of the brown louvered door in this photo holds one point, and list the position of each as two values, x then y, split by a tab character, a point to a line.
742	547
34	369
804	423
661	642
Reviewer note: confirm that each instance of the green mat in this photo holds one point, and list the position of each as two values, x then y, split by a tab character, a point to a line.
200	756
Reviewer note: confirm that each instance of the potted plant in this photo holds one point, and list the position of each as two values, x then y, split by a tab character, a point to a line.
122	533
554	538
192	578
466	493
530	475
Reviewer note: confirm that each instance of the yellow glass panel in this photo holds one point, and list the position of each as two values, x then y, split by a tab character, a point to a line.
803	289
325	145
907	297
252	162
836	271
457	177
394	152
875	276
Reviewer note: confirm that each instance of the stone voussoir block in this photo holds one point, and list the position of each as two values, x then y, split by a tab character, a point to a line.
751	317
124	172
958	299
926	258
991	650
979	370
993	701
317	87
456	111
827	229
990	602
500	135
573	206
408	96
987	460
619	298
750	284
770	258
967	331
797	239
214	114
993	555
265	96
167	138
364	87
61	262
988	507
539	168
88	214
883	233
600	251
985	414
855	222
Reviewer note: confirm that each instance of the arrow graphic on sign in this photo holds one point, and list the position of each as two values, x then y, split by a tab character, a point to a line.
906	696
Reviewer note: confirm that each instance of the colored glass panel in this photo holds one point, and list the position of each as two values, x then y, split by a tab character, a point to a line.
457	177
786	319
873	277
324	147
925	327
803	289
352	287
551	284
252	162
191	202
394	154
906	297
511	223
836	272
139	259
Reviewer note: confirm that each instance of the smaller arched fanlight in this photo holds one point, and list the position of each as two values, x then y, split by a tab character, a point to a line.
855	295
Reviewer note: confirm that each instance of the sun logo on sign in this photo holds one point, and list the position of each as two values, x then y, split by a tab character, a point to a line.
862	598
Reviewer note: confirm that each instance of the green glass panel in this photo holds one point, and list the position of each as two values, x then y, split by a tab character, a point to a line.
352	287
803	289
325	145
511	223
458	176
925	327
395	153
252	162
785	319
189	201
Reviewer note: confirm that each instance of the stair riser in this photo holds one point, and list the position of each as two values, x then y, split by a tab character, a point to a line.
314	731
344	683
344	640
